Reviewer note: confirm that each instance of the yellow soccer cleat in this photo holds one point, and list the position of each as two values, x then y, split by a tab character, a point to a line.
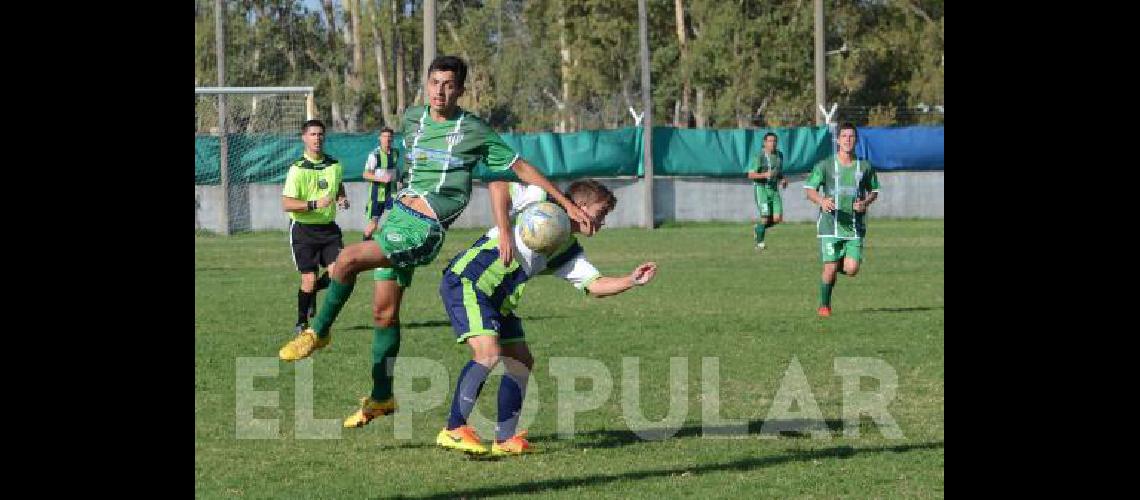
303	345
516	445
462	438
370	409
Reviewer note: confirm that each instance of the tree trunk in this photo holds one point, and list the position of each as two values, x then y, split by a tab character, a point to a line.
699	113
681	114
354	77
564	51
472	86
330	16
335	89
429	50
398	58
381	73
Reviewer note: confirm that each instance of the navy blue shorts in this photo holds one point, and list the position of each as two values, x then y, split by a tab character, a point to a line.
472	314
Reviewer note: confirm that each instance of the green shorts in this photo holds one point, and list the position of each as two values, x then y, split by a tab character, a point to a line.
832	249
409	238
768	201
401	275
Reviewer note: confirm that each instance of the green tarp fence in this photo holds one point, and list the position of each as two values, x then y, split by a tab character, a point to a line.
595	153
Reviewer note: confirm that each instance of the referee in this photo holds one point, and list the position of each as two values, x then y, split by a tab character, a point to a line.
312	183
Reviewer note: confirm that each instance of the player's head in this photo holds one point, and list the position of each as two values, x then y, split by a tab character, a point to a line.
386	137
446	76
313	136
846	137
769	142
595	199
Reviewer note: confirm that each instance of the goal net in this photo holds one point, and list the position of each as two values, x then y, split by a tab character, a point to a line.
263	127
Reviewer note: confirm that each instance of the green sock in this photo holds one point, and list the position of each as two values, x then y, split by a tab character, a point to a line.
385	346
760	232
825	294
335	298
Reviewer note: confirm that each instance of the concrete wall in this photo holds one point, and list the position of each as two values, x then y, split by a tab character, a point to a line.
904	194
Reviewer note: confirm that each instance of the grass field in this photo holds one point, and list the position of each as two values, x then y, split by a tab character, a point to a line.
714	296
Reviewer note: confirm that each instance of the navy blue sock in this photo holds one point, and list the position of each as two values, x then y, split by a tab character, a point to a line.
511	394
467	390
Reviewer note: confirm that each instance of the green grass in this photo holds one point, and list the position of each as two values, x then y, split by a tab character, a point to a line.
714	296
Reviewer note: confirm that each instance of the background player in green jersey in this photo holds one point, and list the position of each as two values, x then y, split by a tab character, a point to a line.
381	170
767	173
844	187
480	294
310	186
442	145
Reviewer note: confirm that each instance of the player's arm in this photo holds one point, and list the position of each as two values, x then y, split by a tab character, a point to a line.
369	166
500	157
530	175
871	187
500	207
291	196
342	198
811	186
295	205
605	286
753	165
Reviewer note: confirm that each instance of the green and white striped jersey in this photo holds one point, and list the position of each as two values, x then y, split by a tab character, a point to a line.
440	157
844	184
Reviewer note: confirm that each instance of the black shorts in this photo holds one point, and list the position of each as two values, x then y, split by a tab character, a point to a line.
314	245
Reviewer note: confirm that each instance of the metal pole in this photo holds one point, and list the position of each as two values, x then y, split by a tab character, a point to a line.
429	40
820	63
647	120
223	142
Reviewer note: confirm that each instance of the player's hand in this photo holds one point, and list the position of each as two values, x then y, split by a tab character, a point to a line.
783	184
342	203
584	222
324	202
506	247
383	175
860	205
644	273
827	204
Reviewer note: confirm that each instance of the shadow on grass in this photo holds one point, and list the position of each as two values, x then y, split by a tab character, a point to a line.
902	309
435	323
741	465
754	429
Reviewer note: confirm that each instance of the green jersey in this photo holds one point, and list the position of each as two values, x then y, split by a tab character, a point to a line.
440	156
844	184
311	181
765	162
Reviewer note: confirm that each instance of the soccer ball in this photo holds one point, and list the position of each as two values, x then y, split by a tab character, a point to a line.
544	227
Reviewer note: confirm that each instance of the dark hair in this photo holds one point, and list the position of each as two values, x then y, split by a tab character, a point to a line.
773	134
311	123
845	126
450	63
591	191
388	130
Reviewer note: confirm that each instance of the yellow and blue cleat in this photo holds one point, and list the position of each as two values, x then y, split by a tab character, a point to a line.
303	345
370	409
462	438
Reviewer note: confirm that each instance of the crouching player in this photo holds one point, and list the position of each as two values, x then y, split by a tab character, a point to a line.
480	292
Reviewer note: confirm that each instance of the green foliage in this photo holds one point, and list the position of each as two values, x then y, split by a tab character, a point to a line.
751	59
